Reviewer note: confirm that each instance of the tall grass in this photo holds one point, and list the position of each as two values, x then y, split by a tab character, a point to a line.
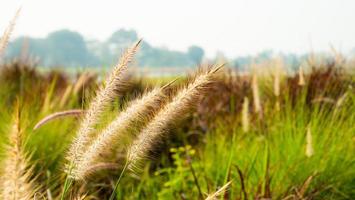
4	41
105	95
125	123
298	151
153	133
189	139
17	180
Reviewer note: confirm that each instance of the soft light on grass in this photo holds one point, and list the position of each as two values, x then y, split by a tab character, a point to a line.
168	115
4	40
17	182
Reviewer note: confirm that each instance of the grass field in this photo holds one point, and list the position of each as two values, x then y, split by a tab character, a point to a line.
216	134
261	136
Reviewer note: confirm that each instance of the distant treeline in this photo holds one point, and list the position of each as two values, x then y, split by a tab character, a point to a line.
68	48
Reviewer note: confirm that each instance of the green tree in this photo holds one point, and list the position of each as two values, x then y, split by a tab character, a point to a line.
196	54
68	48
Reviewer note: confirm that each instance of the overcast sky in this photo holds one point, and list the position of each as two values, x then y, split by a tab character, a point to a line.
235	27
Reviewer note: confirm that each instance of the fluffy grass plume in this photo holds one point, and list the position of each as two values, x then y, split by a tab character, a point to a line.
277	77
83	79
277	80
16	180
301	79
65	97
112	86
51	117
139	110
4	41
168	115
309	145
256	94
245	115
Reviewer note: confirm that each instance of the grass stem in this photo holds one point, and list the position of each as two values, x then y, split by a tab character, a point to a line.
194	175
113	194
67	184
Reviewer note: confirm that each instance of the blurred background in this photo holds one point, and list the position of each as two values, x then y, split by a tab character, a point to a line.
178	35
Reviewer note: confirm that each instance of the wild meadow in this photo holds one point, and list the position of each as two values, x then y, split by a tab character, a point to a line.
214	134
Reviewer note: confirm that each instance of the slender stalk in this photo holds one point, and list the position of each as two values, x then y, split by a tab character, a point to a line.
67	183
194	175
51	117
229	162
266	184
113	194
242	184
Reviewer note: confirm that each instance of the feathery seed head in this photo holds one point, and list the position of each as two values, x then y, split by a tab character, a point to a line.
277	81
309	145
16	181
137	112
301	80
256	95
245	115
169	115
4	40
110	89
277	78
56	115
66	96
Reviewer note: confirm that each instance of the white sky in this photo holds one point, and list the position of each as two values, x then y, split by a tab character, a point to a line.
235	27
